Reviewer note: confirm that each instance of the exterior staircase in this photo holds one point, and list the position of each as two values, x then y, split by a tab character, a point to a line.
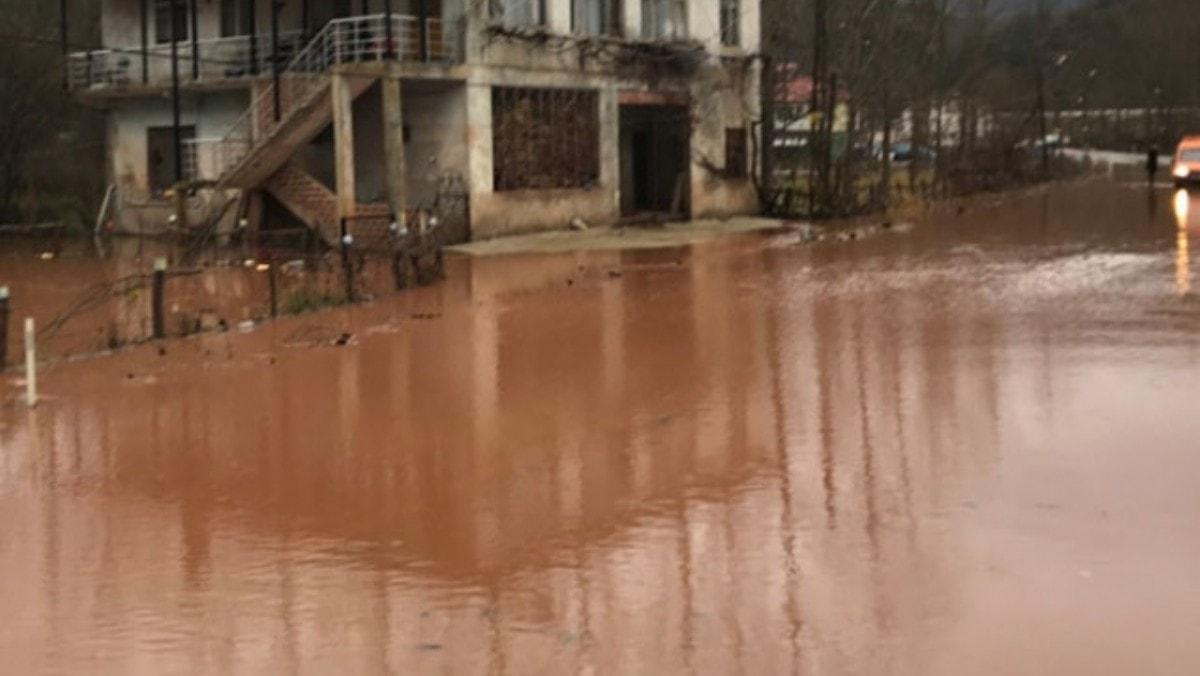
257	145
257	150
309	111
308	199
316	205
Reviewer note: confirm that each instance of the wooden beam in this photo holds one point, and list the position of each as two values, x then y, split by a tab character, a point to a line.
342	100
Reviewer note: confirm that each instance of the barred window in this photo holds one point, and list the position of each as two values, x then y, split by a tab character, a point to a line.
545	138
735	152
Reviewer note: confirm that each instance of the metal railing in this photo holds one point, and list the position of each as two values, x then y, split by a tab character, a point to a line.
218	58
358	39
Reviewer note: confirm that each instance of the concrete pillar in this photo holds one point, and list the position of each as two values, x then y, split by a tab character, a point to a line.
393	145
342	99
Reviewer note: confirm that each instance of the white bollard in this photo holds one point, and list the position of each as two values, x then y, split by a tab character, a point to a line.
30	364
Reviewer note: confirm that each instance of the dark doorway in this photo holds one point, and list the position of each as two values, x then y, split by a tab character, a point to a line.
655	152
160	157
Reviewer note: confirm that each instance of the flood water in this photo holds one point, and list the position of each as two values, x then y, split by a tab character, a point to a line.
969	448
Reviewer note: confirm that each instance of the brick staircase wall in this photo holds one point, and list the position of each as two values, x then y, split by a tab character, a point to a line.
314	204
307	198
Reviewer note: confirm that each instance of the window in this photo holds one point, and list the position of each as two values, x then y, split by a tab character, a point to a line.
735	153
236	18
545	138
160	157
518	12
664	19
731	13
596	17
162	20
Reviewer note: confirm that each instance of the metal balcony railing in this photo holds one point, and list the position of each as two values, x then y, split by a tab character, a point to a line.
217	58
358	39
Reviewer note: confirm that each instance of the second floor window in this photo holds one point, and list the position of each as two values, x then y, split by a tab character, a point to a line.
596	17
235	17
518	12
162	20
664	19
731	14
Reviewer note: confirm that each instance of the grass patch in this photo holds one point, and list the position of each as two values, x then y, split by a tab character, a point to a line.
309	300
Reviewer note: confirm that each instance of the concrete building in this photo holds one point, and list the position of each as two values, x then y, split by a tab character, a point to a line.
501	116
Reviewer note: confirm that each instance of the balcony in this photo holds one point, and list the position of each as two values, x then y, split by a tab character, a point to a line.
303	78
351	39
218	59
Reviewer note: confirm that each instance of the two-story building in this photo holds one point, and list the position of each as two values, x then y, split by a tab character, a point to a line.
526	113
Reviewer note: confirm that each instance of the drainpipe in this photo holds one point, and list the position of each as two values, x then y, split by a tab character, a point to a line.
176	132
275	56
253	28
145	42
389	51
195	42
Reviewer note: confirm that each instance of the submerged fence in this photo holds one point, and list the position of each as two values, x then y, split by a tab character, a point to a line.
84	304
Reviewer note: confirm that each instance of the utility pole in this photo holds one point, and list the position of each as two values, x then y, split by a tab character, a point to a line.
423	29
816	108
275	57
389	51
145	42
176	132
253	30
1041	104
1040	74
62	34
195	42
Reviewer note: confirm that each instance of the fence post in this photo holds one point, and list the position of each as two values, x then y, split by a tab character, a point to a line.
30	363
273	285
347	267
158	290
3	327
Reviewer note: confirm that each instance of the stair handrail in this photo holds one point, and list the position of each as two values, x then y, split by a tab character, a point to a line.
341	40
312	61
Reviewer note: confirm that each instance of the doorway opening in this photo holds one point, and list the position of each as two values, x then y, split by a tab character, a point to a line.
655	160
160	157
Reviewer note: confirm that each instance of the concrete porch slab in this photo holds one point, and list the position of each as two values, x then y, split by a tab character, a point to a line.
609	238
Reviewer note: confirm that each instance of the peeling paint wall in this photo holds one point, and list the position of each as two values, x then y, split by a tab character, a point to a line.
723	90
212	114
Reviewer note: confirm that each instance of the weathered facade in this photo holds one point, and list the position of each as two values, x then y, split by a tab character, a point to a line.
505	116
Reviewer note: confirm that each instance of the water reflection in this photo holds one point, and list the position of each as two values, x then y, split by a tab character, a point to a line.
723	459
1186	210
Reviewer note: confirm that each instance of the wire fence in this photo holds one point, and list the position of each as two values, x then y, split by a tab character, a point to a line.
103	304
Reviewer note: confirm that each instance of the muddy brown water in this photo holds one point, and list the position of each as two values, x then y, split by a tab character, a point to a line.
969	448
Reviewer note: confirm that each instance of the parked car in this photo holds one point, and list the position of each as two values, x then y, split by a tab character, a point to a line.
1185	168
